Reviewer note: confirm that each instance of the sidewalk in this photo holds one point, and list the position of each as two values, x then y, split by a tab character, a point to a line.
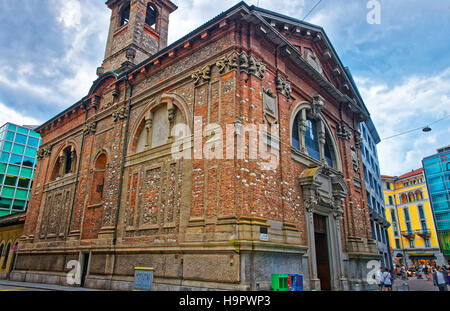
49	287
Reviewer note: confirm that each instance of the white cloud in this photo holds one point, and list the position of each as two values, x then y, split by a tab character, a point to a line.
70	13
9	115
412	103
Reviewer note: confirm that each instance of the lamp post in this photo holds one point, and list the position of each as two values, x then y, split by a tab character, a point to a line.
400	229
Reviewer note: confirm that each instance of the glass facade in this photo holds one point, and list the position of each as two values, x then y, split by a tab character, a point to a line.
437	174
18	149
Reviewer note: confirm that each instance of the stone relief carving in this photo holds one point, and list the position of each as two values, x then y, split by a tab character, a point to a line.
249	64
201	76
227	63
120	113
355	159
316	107
44	151
90	128
344	132
270	108
358	140
283	86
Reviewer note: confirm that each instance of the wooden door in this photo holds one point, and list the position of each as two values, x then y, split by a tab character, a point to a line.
322	254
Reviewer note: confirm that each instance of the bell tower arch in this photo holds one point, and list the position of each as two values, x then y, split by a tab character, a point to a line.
137	30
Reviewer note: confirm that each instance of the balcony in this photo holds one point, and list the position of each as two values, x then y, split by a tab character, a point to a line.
409	234
424	233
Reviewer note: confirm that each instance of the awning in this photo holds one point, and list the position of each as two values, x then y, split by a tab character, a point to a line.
422	256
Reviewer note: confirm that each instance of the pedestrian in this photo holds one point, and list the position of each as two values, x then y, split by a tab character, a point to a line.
386	277
378	277
425	270
402	272
440	278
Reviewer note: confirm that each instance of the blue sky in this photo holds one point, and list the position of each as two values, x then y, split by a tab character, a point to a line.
50	50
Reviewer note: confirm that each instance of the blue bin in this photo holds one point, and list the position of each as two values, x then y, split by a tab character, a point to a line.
296	282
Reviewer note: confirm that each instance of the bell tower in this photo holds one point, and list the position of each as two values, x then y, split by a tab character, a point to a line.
137	30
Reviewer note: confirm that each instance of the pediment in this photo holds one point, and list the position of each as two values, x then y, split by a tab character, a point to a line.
315	48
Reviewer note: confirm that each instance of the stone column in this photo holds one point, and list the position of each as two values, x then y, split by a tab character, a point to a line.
310	203
322	141
73	159
62	164
302	130
171	116
338	215
148	129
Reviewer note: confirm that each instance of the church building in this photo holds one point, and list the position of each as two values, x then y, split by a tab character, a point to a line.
160	165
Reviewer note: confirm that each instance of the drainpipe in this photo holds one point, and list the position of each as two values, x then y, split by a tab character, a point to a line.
124	151
78	172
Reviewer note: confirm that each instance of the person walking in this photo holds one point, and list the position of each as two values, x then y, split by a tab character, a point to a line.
440	279
378	278
386	277
425	271
448	274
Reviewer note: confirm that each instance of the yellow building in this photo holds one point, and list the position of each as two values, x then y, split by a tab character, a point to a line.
412	235
11	229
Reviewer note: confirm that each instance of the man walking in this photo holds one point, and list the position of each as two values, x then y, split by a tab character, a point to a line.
378	277
440	278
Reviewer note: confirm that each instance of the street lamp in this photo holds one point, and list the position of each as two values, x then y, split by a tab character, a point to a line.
426	129
400	229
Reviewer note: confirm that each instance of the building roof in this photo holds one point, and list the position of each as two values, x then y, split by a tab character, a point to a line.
13	219
258	15
406	175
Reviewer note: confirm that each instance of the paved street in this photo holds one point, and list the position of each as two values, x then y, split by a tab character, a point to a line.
421	285
8	288
6	285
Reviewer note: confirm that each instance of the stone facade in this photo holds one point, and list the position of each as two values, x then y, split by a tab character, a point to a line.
124	201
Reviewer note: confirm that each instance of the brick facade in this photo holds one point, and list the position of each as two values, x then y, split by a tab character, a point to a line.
197	222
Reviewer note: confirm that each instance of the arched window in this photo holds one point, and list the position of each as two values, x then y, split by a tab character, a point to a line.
1	252
312	137
419	195
155	128
124	15
98	180
65	163
404	198
5	260
411	197
151	15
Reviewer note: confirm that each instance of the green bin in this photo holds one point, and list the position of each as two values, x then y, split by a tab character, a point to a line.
280	282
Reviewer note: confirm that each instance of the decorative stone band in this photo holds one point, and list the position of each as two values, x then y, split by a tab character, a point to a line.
249	64
243	62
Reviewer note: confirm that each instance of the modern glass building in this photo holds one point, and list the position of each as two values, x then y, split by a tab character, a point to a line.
18	149
437	174
375	197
